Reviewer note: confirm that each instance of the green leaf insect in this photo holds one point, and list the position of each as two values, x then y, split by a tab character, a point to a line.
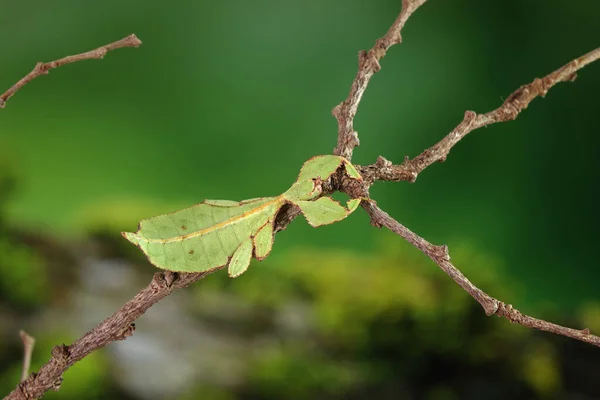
214	233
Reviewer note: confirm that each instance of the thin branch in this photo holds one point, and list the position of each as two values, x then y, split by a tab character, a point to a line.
368	65
509	110
44	68
492	306
119	326
28	344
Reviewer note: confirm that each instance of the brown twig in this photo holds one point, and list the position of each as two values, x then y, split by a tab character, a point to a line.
368	65
509	110
28	344
492	306
410	169
118	326
44	68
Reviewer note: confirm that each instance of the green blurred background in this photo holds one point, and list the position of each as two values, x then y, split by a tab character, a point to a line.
227	100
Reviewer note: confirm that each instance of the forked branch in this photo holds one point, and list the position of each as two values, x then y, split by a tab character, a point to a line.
410	169
43	68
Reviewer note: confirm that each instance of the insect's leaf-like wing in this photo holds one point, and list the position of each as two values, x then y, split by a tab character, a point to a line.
241	259
351	170
263	241
322	211
353	204
319	167
204	236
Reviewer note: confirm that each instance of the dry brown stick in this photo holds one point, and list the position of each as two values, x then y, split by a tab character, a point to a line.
117	327
43	68
509	110
28	344
492	306
368	65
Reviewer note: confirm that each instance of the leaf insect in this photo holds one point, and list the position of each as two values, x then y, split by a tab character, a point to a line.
214	233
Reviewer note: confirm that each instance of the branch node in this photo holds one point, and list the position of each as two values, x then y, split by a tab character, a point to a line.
445	253
491	307
362	58
408	166
439	253
60	354
24	386
469	117
127	332
383	162
353	139
509	312
56	384
170	277
369	60
373	218
40	69
336	111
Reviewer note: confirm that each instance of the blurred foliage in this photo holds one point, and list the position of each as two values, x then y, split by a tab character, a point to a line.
87	378
315	323
359	326
23	284
226	100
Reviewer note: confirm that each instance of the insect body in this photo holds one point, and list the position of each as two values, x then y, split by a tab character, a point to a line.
214	233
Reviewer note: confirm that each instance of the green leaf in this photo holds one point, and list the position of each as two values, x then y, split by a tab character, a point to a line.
215	233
